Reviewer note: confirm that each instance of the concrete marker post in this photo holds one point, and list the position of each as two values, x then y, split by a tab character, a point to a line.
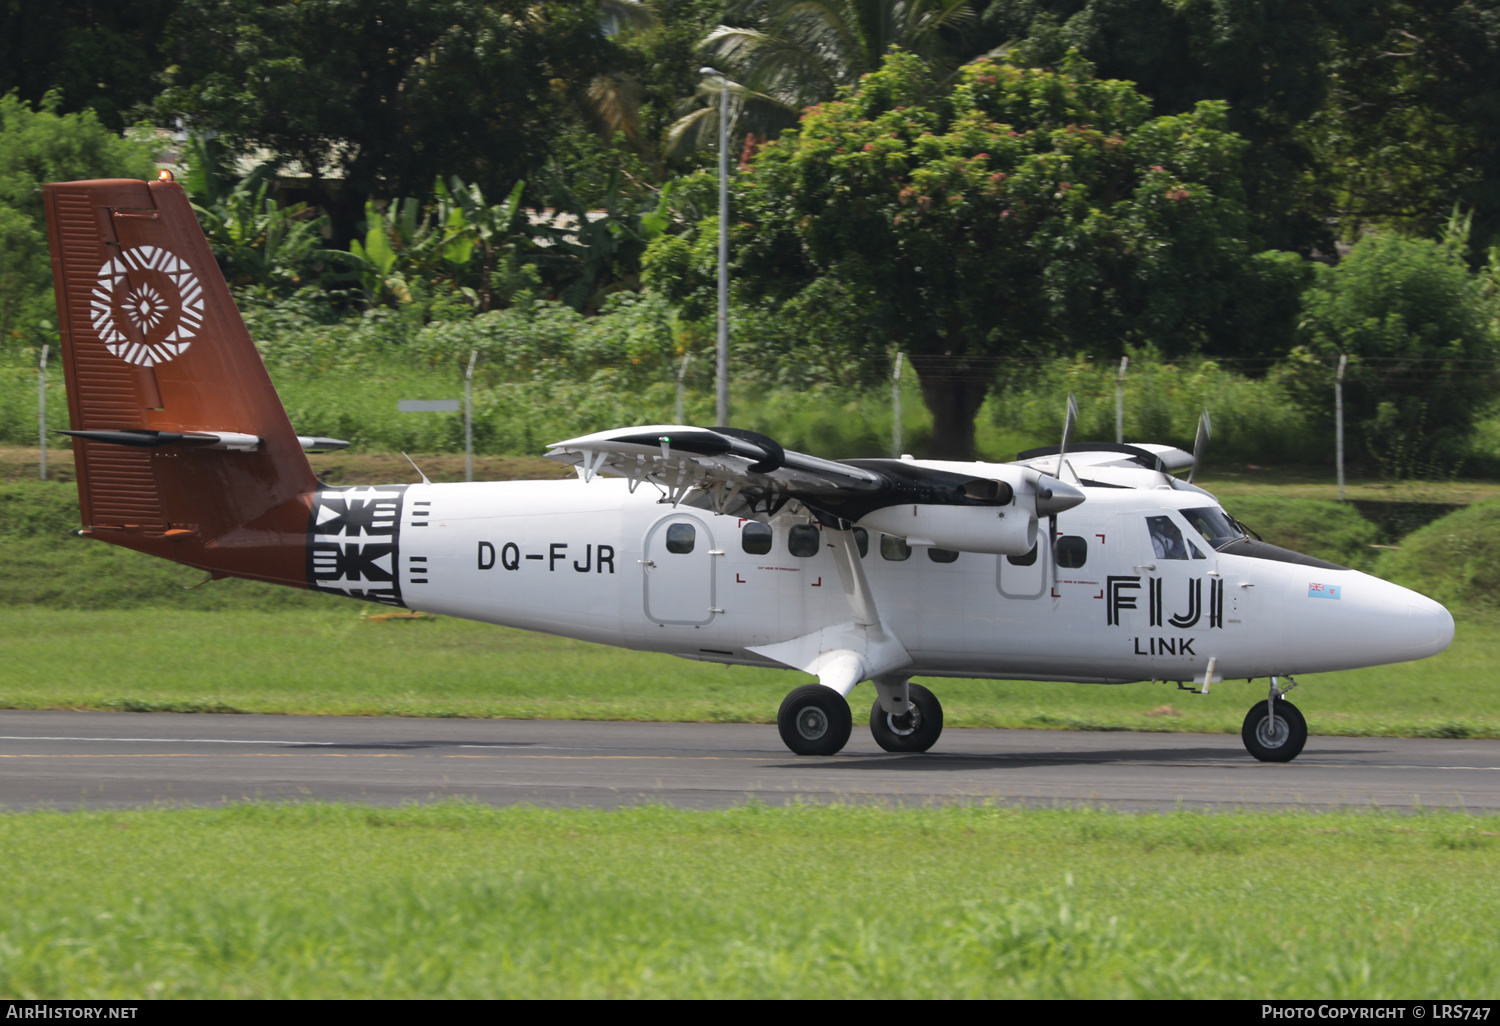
1120	401
469	417
1338	419
41	407
896	406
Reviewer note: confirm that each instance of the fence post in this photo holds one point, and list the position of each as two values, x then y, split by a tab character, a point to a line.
896	407
469	417
1120	401
681	374
1338	420
41	407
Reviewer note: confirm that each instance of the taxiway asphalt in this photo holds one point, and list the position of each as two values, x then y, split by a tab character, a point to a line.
96	760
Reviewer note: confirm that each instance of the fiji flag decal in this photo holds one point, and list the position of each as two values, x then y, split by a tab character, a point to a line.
1328	591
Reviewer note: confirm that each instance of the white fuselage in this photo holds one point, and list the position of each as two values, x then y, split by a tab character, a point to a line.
596	562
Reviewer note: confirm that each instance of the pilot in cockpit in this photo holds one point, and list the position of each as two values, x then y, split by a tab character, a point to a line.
1166	538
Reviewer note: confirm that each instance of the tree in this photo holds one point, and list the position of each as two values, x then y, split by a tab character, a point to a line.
788	54
1270	60
380	98
100	55
1411	126
1028	210
38	146
1420	332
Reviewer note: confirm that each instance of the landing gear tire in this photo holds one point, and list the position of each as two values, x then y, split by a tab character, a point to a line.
1278	742
915	731
815	720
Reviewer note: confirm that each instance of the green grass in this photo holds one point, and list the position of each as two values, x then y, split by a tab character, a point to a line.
459	900
277	662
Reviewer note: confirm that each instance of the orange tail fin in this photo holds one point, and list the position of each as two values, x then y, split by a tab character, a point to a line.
183	449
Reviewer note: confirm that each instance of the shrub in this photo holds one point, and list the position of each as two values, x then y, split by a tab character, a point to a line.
1420	333
1317	527
1455	560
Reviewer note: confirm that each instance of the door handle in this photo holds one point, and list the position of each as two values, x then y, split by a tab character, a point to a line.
646	562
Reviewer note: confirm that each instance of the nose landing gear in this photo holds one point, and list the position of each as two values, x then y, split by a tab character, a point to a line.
1274	730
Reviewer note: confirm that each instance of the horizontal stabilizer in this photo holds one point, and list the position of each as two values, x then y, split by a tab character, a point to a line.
148	439
234	441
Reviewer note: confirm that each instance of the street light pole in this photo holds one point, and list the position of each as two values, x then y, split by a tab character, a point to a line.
722	375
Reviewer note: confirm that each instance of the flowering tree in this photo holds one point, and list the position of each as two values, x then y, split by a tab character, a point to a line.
1027	210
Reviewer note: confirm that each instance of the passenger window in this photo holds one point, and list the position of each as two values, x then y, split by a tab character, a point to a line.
1026	560
756	538
680	538
938	555
1072	552
803	540
1166	538
862	539
893	548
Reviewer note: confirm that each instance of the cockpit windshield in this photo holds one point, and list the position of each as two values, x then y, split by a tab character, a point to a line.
1216	526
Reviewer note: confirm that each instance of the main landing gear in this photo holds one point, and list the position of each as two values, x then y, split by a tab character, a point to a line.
815	720
1275	730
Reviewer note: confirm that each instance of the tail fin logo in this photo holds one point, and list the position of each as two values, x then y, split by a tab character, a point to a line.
147	305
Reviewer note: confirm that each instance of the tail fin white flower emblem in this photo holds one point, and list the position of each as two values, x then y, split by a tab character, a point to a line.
159	296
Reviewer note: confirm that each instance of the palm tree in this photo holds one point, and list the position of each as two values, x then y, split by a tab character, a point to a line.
801	51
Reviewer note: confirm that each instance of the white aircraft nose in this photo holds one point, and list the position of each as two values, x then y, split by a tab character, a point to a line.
1428	628
1367	622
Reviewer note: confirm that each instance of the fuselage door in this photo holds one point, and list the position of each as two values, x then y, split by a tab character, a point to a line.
679	571
1169	602
1027	576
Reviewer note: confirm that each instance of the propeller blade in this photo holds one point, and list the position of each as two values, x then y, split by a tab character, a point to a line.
1200	444
1068	422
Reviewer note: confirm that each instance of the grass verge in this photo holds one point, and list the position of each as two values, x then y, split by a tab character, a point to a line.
344	660
460	900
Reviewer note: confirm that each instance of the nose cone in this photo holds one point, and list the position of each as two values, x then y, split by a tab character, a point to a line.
1429	626
1357	620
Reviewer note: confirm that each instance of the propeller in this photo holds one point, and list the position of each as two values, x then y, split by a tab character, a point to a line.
1200	444
1069	420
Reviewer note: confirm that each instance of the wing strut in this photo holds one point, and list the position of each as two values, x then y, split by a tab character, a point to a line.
860	648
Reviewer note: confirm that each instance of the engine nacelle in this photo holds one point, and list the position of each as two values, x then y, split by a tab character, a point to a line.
1008	531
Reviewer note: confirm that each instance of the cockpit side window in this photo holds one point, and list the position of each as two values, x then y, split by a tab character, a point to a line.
1217	527
1166	538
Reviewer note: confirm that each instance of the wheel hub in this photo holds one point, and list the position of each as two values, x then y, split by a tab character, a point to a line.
812	723
1272	733
906	724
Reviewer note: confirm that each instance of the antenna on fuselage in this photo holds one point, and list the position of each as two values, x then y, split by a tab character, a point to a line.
417	469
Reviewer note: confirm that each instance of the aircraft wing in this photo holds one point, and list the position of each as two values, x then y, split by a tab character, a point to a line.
742	473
